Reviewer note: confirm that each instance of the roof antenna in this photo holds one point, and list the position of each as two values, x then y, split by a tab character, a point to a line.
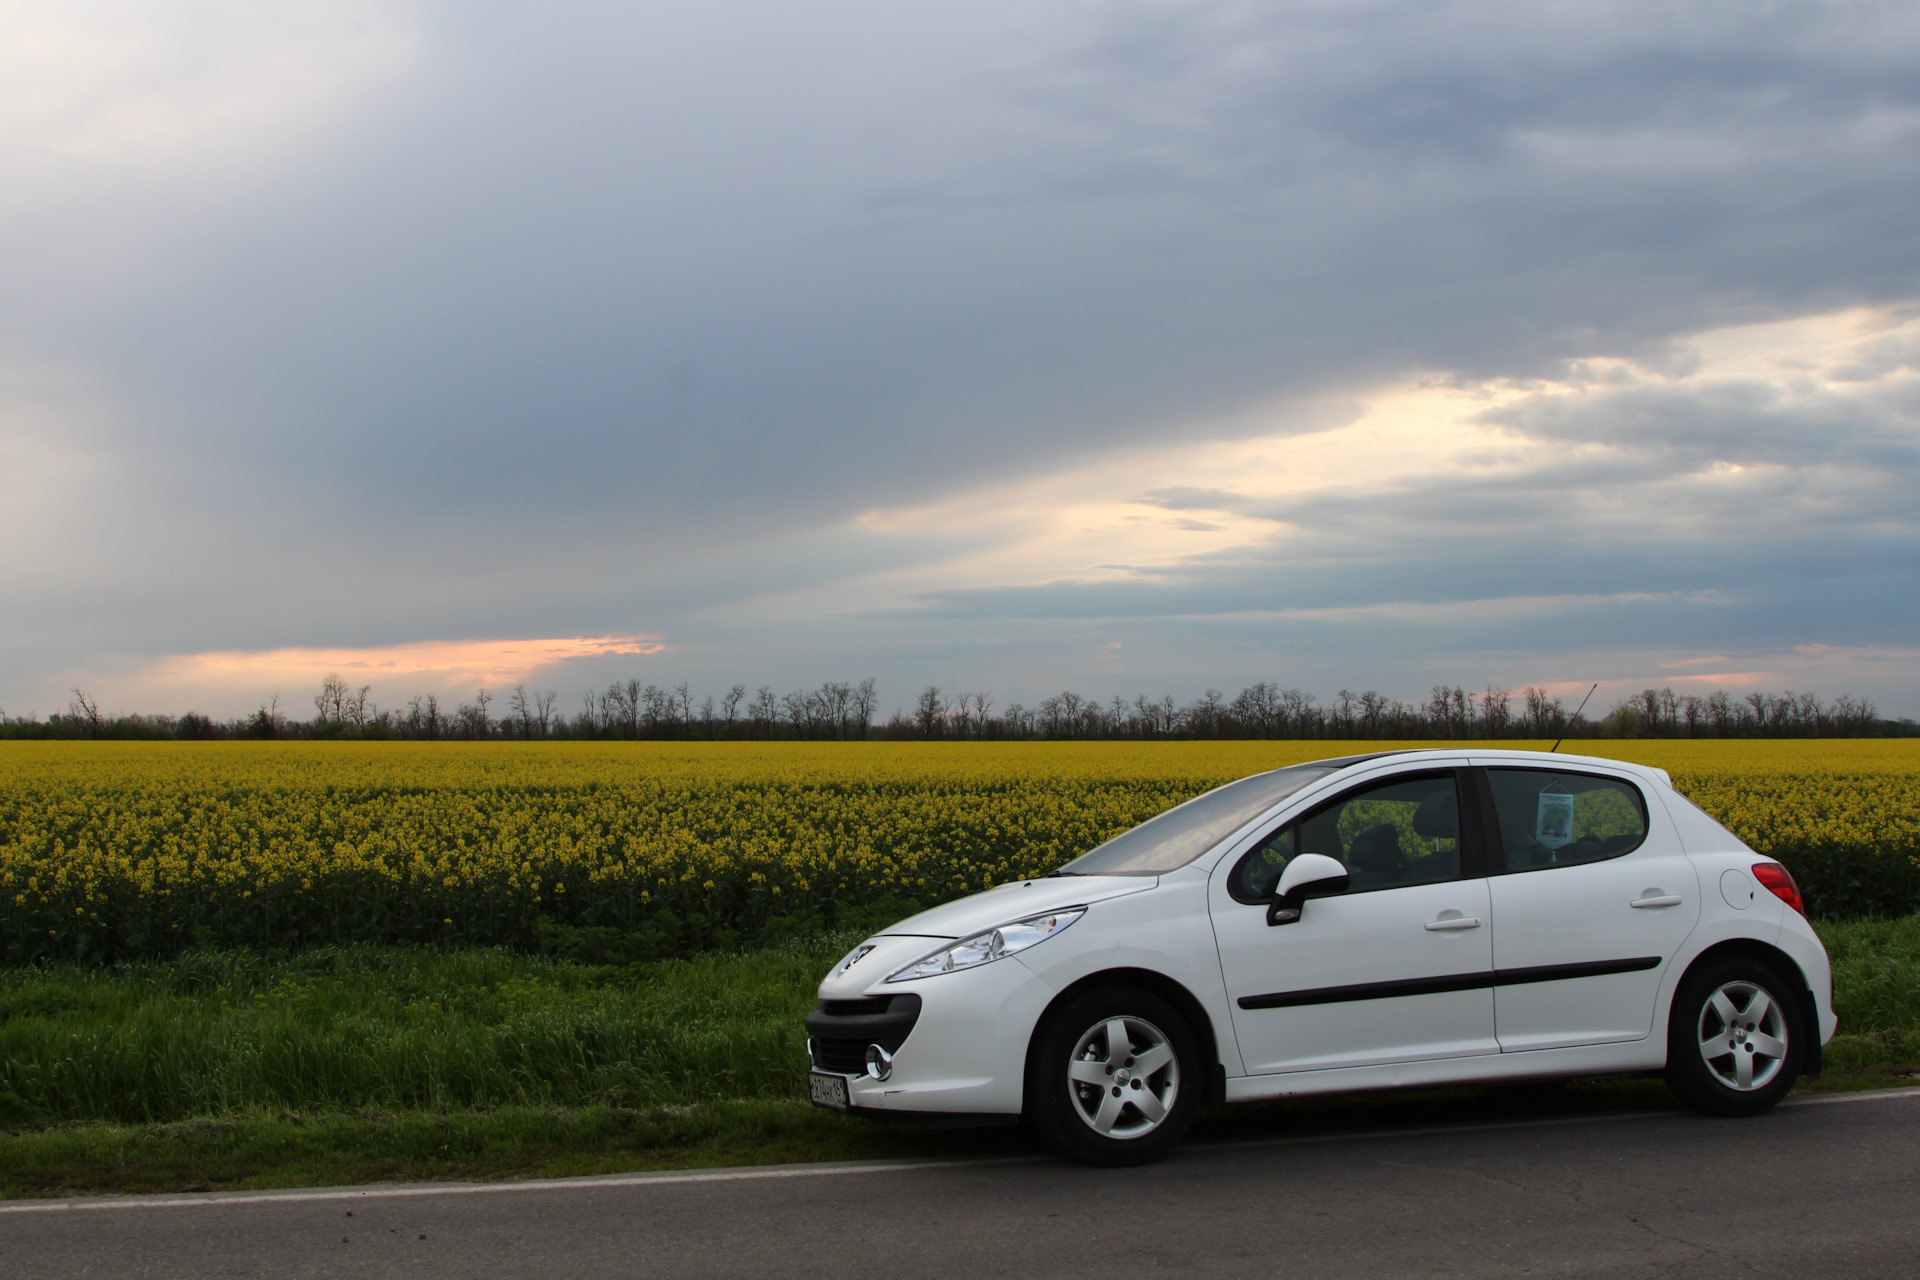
1570	719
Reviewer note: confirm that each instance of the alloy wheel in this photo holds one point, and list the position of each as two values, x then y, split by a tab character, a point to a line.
1123	1077
1742	1035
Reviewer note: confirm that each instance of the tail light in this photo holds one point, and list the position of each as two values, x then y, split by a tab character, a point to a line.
1780	882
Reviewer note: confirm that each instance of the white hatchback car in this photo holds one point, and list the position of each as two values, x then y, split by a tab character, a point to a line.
1430	917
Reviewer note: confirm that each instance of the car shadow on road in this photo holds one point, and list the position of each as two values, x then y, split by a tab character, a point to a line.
1355	1114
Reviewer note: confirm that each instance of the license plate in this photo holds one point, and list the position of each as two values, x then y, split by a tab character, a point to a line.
827	1090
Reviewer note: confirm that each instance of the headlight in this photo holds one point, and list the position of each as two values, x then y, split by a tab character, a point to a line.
984	948
853	958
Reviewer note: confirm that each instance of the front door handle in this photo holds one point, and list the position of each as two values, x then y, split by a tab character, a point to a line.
1661	900
1451	923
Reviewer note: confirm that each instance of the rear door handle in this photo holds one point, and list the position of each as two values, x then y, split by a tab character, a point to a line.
1452	923
1664	900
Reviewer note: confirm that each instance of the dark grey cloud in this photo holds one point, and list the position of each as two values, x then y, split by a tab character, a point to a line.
564	328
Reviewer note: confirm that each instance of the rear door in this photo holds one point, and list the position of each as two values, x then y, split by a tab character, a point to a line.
1592	896
1396	969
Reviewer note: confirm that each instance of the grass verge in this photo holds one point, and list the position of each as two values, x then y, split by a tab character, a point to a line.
222	1071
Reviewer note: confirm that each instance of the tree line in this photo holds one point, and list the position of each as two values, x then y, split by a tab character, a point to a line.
837	711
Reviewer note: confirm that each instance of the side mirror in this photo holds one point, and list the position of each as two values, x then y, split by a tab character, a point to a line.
1311	875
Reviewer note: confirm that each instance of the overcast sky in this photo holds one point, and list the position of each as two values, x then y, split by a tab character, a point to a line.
1114	346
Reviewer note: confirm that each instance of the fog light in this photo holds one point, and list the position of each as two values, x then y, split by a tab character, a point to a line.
879	1062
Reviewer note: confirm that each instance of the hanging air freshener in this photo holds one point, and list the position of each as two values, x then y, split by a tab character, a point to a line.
1553	821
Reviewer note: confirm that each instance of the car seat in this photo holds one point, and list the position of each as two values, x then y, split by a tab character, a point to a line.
1438	817
1375	857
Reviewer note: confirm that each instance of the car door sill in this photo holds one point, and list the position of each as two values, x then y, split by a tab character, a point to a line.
1561	1042
1646	1053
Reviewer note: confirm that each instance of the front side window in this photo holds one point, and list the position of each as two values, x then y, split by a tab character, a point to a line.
1402	831
1550	819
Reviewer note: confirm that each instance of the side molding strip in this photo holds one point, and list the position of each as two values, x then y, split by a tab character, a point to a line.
1555	972
1447	982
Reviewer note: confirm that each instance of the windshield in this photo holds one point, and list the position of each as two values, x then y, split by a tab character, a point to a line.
1186	831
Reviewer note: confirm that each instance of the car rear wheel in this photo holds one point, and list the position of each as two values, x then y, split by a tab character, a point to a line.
1733	1041
1116	1077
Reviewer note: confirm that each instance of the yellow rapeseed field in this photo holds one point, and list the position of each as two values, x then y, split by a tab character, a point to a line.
122	849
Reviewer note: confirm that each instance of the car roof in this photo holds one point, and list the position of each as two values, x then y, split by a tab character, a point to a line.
1533	759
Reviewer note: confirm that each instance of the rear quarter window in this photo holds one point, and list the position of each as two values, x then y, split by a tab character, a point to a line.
1556	818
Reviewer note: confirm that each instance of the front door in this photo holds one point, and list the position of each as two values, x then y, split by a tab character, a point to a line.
1396	969
1593	897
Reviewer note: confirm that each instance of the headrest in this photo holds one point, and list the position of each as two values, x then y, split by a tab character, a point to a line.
1438	817
1377	849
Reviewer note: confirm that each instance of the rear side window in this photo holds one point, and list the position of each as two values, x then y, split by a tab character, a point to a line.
1552	819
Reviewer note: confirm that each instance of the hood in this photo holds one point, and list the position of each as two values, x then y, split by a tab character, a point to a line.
1015	901
915	936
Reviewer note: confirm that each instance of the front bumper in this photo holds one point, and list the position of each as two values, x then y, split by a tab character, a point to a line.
958	1041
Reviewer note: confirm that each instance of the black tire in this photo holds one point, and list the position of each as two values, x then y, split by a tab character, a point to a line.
1713	1085
1065	1111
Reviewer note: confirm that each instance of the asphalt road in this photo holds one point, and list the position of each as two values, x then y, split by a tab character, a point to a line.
1819	1187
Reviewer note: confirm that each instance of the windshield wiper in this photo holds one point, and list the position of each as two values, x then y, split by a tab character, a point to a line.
1058	871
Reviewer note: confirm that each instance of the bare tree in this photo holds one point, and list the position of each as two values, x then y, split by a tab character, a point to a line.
267	721
522	708
472	721
1496	711
835	702
961	718
864	697
1298	715
85	711
330	704
730	705
543	710
423	716
1203	717
797	707
1545	716
983	712
765	711
1257	708
657	712
1373	710
1145	715
928	710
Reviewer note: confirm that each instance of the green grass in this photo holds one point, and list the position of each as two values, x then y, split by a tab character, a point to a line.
354	1064
400	1029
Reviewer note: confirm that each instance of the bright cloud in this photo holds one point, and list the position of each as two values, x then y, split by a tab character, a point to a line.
448	667
1168	511
484	660
99	87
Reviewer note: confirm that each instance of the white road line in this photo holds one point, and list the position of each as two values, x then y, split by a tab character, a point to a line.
86	1204
1864	1095
748	1174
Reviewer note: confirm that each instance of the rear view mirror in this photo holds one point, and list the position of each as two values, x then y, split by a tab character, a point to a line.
1311	875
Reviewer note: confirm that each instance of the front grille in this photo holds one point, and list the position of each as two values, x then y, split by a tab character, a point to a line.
848	1057
839	1031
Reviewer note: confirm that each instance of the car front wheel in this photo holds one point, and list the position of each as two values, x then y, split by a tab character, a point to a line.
1733	1042
1116	1077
